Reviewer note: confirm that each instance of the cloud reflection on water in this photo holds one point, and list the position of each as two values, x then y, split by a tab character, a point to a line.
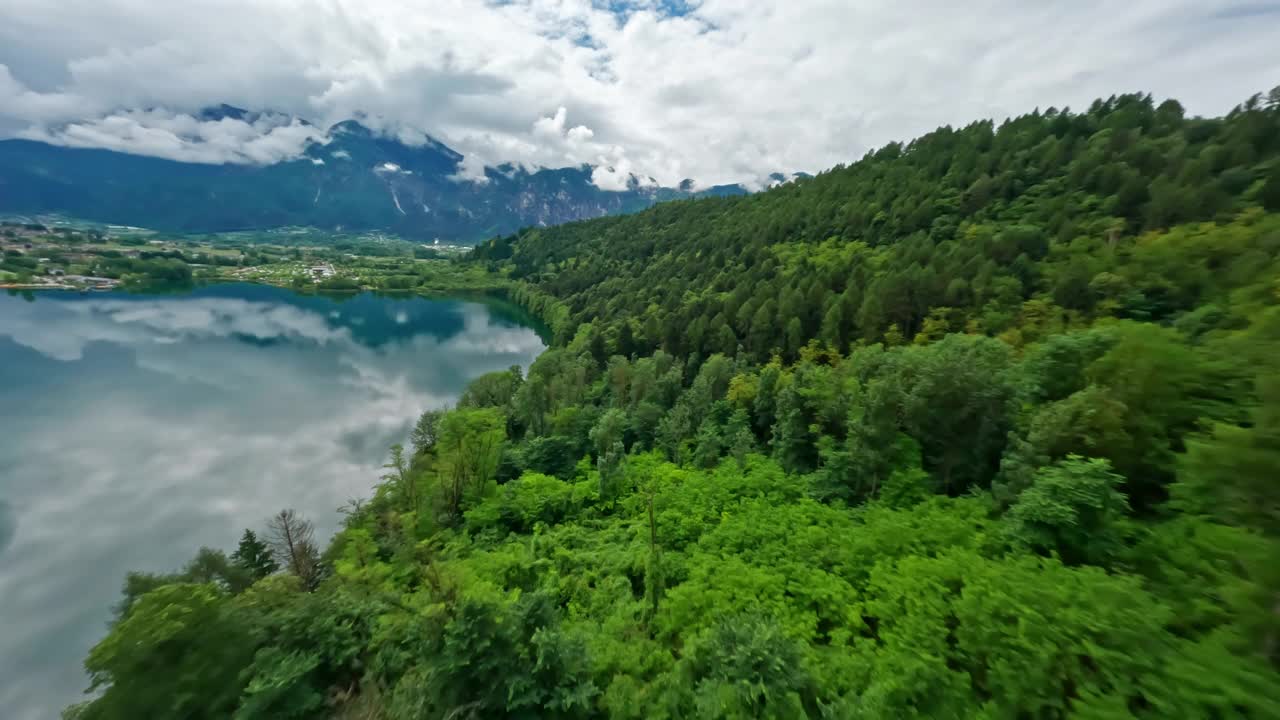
148	427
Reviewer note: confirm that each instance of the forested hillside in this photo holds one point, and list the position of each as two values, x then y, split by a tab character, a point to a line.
984	425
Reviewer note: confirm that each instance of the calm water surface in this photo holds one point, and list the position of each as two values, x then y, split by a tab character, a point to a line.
134	429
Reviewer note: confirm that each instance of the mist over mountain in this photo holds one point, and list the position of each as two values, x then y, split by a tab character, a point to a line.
350	177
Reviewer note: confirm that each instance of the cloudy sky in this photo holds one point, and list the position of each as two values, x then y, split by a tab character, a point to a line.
716	90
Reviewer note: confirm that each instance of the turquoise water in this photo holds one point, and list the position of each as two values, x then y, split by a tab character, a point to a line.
137	428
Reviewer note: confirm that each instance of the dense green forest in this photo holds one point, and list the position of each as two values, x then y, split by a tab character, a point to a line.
983	425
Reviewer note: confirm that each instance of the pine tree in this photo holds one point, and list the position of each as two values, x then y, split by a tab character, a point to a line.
793	443
254	556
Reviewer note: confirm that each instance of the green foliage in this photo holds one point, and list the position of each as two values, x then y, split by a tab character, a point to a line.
496	659
746	667
209	566
178	653
957	231
1269	196
468	449
1230	473
254	556
522	505
958	404
1074	510
1165	388
960	635
980	426
496	389
426	431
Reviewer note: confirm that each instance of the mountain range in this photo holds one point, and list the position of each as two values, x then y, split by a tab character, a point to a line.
355	179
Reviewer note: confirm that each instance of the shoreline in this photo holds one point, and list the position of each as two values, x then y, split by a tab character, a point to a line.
500	294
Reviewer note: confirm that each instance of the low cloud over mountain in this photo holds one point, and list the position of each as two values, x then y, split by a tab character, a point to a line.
225	168
717	90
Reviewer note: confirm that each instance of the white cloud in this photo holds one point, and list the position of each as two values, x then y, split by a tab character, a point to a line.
732	90
162	322
175	136
471	169
23	104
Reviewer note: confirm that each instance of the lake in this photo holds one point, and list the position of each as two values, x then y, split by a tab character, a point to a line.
139	427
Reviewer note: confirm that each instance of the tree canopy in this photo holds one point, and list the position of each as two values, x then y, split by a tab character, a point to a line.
982	425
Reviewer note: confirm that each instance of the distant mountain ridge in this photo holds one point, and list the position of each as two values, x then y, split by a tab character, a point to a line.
359	180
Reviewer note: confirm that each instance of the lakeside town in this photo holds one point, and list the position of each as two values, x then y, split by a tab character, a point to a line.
42	255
